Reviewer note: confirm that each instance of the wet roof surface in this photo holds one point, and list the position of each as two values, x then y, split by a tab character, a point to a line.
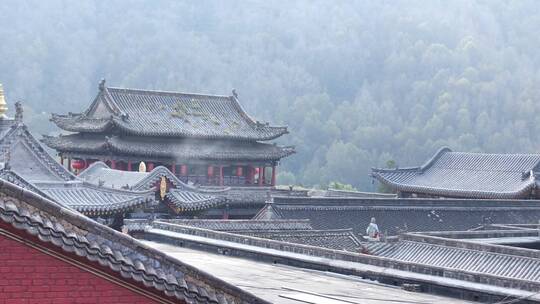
254	277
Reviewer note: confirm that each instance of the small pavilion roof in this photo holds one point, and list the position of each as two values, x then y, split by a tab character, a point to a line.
169	114
467	175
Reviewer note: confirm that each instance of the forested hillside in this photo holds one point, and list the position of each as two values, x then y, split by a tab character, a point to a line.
358	82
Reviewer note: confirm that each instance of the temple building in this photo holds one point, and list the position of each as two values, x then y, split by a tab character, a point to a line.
202	139
24	162
467	175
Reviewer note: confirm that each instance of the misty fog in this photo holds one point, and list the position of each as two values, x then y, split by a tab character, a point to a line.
358	83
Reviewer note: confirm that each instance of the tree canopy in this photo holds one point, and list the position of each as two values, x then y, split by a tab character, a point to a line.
358	82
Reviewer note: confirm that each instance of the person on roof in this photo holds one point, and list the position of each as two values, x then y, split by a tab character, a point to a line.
372	229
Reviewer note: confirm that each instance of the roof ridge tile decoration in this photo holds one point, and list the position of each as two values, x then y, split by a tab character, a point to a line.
168	114
244	225
467	175
72	233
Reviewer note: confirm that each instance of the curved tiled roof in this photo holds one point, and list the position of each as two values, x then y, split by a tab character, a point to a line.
459	257
338	239
93	200
100	172
468	175
83	197
169	114
70	233
191	201
28	158
179	149
31	167
395	216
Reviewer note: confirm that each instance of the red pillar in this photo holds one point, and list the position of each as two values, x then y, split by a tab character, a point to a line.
239	171
249	176
113	164
261	175
210	174
173	167
150	167
183	170
273	175
130	167
221	175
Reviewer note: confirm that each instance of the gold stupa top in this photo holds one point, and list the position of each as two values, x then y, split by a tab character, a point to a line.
3	104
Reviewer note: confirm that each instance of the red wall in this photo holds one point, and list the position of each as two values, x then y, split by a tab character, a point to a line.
30	276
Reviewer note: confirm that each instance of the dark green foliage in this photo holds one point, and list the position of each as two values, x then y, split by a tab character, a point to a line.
358	82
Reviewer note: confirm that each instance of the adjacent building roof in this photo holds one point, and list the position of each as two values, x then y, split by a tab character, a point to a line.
22	153
240	226
290	231
347	193
100	173
395	216
455	274
283	284
184	149
460	251
337	239
467	175
73	235
93	200
181	197
170	114
28	165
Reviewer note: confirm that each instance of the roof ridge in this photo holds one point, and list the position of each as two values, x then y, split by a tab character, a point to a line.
34	145
430	162
496	154
167	92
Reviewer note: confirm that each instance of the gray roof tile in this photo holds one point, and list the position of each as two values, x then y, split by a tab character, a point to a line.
468	175
395	216
69	228
31	167
173	114
178	149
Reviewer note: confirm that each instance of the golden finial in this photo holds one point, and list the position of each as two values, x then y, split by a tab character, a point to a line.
142	167
3	104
